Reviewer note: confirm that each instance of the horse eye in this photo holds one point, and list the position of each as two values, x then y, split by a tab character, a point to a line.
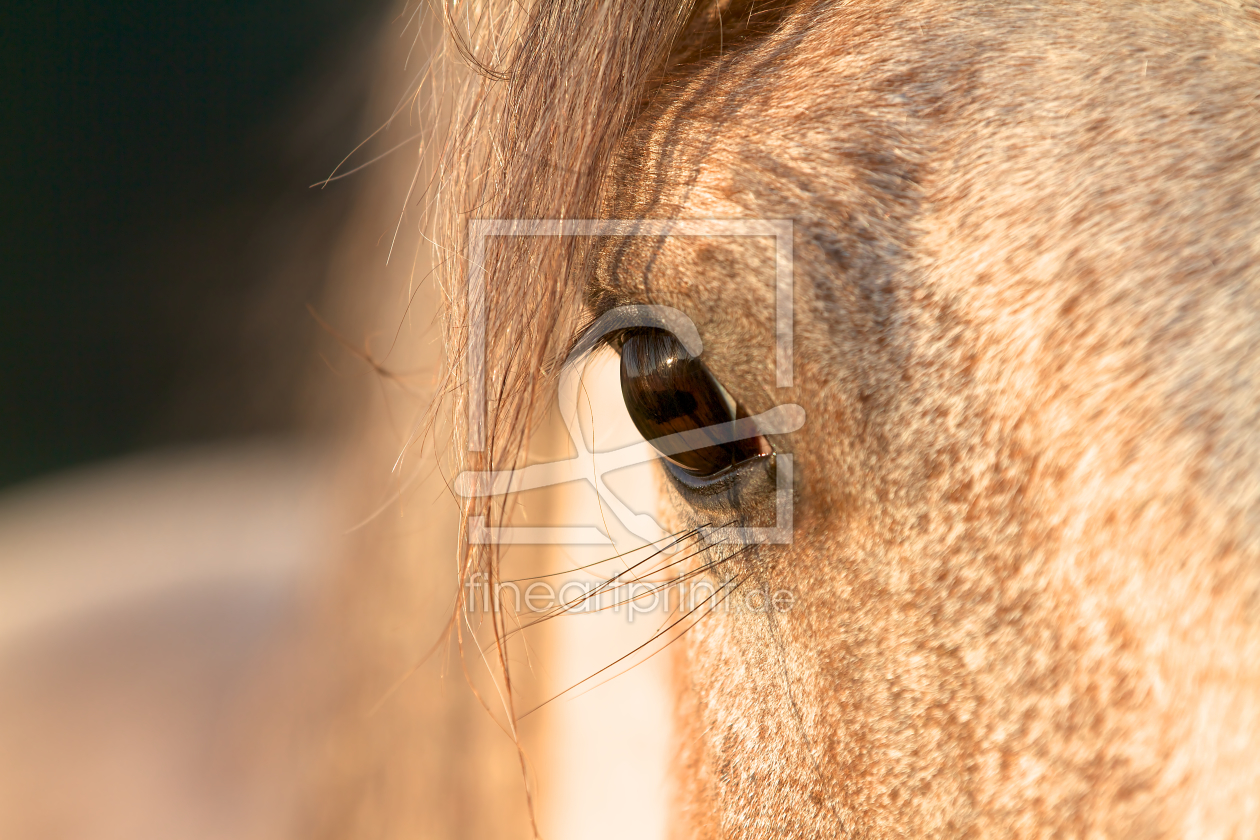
667	391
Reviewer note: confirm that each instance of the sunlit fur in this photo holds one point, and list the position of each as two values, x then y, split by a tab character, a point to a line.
1027	500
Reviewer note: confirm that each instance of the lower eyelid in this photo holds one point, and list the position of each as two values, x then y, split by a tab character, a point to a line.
697	489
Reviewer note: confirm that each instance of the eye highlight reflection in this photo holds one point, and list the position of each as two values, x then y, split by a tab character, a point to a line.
667	391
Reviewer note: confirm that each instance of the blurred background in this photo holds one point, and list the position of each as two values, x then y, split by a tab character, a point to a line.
165	510
214	602
160	239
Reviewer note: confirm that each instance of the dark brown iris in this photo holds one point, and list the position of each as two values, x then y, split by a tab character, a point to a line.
667	391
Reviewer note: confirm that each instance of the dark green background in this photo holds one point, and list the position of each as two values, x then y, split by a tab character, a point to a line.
146	148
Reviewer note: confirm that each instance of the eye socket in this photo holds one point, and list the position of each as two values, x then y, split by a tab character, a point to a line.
667	391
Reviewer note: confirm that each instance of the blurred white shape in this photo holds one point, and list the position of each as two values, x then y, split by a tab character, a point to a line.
609	744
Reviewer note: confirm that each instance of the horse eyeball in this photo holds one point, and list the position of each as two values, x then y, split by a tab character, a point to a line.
668	391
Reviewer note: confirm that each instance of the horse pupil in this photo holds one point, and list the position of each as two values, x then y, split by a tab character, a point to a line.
668	391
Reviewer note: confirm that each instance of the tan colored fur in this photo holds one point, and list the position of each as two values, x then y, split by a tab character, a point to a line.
1028	267
1027	493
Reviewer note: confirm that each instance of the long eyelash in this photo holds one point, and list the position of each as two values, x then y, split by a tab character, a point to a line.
675	540
661	632
608	587
726	588
613	582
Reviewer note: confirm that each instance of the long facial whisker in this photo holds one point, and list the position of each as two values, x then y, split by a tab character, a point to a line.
605	585
577	603
700	570
621	659
644	577
697	532
658	586
662	585
676	562
675	538
574	603
658	634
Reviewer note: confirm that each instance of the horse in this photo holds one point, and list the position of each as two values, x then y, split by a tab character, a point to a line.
937	319
1021	331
